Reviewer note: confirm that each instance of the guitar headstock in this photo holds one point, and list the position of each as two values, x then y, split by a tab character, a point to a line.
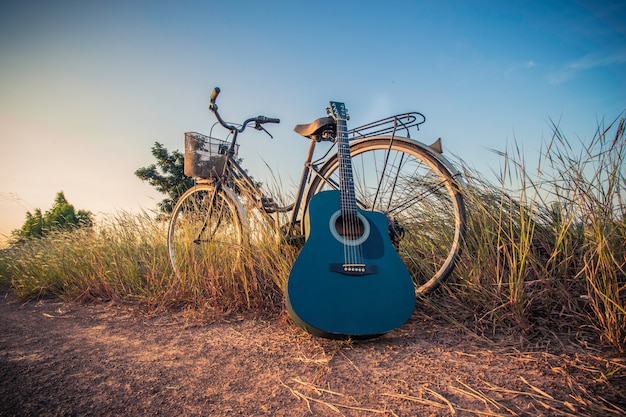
338	111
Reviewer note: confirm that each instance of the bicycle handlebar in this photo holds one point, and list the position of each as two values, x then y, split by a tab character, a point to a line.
258	121
214	94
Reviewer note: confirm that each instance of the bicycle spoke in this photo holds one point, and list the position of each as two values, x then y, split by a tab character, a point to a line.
205	224
418	194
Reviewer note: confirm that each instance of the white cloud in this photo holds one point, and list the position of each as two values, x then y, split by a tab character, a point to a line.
587	62
522	66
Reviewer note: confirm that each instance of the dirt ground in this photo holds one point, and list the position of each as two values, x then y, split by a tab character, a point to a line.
107	359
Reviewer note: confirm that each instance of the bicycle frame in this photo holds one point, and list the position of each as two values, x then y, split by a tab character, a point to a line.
397	176
244	184
233	171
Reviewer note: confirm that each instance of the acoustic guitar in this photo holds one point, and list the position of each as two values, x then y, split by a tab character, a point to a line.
348	281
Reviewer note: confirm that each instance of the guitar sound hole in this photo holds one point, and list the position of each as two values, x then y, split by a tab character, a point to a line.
349	226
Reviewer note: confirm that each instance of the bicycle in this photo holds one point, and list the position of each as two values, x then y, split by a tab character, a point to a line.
412	183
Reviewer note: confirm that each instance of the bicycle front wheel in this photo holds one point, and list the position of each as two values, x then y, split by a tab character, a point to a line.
207	228
418	191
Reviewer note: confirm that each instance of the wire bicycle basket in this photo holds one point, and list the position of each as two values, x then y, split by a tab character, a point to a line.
205	156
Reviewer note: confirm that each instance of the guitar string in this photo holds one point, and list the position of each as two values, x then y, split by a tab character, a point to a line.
344	211
355	222
343	187
352	218
353	254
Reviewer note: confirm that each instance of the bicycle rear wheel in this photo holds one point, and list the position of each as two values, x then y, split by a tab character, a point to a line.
207	228
418	191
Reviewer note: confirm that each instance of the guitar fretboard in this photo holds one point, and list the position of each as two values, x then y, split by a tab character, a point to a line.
346	180
352	228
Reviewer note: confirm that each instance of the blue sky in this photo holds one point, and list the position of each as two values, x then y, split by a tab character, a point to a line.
86	88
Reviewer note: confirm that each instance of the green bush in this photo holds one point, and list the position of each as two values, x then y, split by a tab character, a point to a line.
62	216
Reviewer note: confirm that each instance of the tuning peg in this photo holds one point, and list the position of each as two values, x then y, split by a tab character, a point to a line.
328	111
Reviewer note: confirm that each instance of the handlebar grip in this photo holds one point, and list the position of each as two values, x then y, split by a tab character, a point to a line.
214	94
263	119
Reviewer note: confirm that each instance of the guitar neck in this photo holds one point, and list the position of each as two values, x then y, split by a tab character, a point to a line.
346	180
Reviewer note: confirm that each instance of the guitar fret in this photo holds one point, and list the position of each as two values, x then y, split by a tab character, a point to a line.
353	254
346	181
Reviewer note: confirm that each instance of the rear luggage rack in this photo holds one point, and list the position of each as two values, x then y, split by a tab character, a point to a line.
400	123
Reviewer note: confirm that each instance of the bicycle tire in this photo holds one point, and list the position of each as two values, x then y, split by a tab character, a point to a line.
415	186
207	228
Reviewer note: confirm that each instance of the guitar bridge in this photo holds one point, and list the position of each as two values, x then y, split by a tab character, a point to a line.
353	269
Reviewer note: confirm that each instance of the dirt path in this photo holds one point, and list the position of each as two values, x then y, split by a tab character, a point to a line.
60	359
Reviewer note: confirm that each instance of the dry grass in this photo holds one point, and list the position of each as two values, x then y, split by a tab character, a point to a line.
545	249
125	258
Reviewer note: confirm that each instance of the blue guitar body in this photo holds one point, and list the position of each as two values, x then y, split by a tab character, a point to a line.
332	298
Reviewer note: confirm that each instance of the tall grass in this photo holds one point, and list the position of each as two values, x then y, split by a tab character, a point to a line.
125	258
545	249
120	258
